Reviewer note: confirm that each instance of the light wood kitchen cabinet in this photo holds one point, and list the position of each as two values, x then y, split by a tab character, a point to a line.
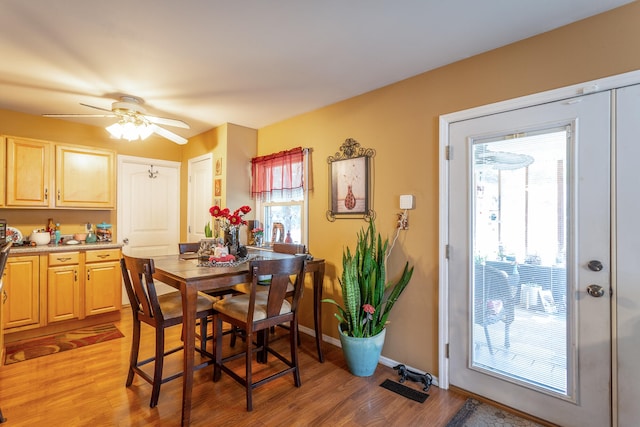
63	287
43	174
103	281
28	164
85	178
22	285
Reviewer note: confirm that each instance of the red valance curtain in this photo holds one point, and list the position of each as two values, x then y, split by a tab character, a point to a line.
277	175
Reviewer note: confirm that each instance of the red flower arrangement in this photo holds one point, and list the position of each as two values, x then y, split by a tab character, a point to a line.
227	219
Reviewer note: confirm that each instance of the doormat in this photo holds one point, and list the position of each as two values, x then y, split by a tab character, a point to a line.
476	414
30	349
405	391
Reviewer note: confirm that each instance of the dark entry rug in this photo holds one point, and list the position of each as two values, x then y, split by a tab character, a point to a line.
405	391
30	349
479	414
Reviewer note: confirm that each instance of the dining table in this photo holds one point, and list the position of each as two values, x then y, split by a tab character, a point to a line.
190	275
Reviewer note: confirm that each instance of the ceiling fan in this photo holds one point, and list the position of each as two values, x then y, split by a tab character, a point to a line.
133	120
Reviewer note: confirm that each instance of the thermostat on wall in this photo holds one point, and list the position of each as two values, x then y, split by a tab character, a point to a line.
407	201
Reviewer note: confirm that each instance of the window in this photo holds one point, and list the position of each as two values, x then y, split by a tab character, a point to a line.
279	184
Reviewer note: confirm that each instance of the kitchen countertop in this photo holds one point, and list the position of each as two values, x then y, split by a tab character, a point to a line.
44	249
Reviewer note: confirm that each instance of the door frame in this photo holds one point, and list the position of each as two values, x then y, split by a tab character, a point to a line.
598	85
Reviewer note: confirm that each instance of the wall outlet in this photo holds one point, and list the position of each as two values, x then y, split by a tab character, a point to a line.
407	201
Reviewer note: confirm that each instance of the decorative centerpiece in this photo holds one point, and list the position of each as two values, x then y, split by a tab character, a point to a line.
230	224
368	300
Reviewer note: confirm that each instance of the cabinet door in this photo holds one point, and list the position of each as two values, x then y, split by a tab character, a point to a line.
21	308
103	284
85	178
63	297
28	172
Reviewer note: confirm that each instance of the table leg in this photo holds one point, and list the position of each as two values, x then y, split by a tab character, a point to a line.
318	279
189	307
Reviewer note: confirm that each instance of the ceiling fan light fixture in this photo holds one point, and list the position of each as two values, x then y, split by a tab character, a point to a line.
129	130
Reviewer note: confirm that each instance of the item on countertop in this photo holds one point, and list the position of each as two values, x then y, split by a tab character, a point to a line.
103	232
40	237
72	242
81	237
3	230
14	235
91	237
57	234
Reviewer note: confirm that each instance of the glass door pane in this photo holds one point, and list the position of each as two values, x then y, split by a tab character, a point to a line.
519	282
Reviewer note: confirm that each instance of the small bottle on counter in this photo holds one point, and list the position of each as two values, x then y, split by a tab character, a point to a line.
57	234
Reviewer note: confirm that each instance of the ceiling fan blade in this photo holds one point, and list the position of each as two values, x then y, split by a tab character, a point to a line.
168	134
97	108
167	122
79	115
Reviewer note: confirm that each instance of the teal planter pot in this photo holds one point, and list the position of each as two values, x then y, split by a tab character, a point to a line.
362	354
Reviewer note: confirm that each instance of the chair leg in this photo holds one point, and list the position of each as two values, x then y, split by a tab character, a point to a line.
507	340
217	348
135	349
157	369
203	333
248	359
486	334
294	337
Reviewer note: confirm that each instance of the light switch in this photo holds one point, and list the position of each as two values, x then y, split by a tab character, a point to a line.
407	201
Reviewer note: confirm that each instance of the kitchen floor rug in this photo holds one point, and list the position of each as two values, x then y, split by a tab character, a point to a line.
20	351
478	414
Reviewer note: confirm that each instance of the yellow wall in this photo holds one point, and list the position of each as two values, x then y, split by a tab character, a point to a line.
400	122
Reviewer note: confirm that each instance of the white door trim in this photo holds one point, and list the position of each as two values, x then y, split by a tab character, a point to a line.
599	85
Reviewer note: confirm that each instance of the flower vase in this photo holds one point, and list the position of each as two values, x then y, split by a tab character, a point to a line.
362	354
258	240
231	240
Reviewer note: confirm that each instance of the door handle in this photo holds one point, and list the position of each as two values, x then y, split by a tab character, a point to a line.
595	291
595	265
125	241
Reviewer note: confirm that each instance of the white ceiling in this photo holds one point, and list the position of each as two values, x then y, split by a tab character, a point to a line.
248	62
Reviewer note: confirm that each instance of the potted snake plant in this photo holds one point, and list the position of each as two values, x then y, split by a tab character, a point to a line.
367	300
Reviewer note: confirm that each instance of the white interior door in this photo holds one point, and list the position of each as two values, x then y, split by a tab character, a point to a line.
529	209
148	206
200	193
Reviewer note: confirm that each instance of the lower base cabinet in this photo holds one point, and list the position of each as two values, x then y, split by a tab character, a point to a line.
22	287
47	289
102	270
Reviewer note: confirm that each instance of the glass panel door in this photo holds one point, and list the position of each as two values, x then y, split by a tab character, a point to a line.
519	276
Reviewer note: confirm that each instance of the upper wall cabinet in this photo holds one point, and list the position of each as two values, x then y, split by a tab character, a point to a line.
85	178
48	175
28	173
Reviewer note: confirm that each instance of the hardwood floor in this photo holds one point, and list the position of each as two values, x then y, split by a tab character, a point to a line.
85	387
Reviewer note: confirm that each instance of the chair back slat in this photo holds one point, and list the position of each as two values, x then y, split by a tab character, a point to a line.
289	248
282	271
188	247
138	280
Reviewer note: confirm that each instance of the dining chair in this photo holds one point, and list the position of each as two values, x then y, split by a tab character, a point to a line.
494	301
159	312
255	313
